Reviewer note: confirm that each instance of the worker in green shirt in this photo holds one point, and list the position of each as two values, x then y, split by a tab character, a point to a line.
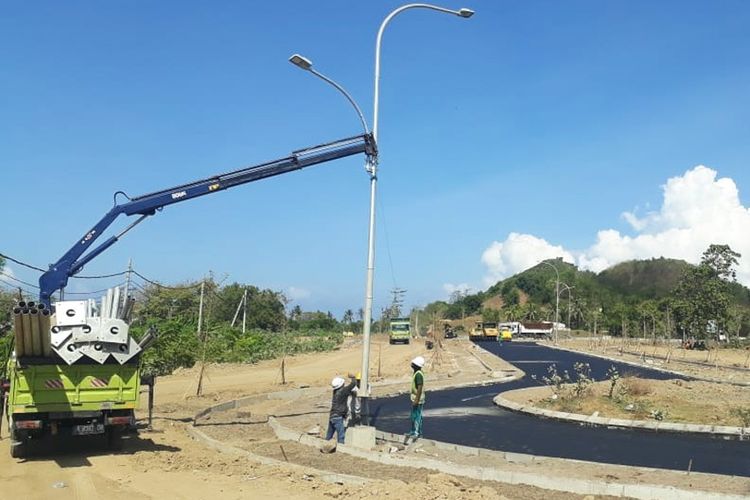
417	397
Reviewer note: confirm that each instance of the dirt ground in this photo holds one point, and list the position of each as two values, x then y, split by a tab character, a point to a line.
167	463
677	400
729	365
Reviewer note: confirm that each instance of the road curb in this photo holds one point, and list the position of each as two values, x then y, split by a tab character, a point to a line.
650	367
569	485
723	431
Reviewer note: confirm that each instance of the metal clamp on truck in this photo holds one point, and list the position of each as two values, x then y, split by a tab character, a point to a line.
76	368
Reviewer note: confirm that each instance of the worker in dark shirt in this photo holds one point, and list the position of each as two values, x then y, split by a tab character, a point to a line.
339	407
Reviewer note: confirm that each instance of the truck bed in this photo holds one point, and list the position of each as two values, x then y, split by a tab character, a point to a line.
62	388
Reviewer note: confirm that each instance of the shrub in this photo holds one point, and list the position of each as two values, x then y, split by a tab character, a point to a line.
613	375
743	414
636	386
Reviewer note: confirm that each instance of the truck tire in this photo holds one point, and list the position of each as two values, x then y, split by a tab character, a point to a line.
113	437
17	444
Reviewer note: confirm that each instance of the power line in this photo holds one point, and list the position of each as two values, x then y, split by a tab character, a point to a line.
35	268
121	273
95	291
152	282
387	240
101	276
16	287
18	280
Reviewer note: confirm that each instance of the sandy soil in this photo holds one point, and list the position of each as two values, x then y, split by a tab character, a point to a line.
167	463
729	365
680	401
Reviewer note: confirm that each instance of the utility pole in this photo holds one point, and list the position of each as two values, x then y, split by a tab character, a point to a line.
244	311
127	280
202	338
200	312
417	321
570	299
398	300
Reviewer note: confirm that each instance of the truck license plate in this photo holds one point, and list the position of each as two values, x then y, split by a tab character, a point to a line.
86	429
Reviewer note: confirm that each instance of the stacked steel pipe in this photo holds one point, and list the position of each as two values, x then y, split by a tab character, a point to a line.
77	329
31	326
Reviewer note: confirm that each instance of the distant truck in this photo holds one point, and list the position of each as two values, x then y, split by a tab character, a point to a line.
532	329
484	330
400	331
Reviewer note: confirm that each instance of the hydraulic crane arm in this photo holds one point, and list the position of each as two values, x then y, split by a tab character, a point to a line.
72	262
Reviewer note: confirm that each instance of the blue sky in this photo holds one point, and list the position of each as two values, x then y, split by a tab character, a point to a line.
540	118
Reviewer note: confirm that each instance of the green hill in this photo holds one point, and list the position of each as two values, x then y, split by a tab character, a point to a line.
627	297
653	278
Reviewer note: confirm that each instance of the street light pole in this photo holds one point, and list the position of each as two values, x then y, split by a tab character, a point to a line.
557	298
569	289
372	167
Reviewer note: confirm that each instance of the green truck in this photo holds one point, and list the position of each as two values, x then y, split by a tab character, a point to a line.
400	331
57	399
72	375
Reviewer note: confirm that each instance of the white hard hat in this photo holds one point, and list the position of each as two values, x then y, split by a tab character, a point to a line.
419	361
337	382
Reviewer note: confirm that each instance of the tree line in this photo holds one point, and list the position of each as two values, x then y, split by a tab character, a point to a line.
656	297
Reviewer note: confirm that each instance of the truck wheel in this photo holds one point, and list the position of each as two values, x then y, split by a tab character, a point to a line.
17	445
113	437
390	341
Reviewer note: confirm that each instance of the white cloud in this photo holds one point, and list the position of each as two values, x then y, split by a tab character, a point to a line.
516	253
297	293
698	209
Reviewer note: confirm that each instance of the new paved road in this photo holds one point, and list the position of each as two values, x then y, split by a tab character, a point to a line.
468	416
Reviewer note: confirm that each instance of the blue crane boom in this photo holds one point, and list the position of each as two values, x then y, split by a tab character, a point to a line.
56	278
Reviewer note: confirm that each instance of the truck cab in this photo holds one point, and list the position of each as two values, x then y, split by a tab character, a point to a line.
400	331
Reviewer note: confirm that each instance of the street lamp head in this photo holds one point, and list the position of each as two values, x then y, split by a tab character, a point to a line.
467	13
301	62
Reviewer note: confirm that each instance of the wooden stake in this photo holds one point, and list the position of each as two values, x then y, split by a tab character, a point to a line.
380	349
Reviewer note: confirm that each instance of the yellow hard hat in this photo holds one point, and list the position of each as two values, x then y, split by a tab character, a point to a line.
359	375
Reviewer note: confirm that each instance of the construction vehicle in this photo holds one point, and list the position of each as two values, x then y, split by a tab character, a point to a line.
399	331
448	331
484	330
75	368
477	333
506	335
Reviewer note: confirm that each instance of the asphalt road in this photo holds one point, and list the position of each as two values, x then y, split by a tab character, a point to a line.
468	416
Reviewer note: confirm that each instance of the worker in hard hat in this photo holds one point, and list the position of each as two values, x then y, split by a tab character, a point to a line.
354	404
417	396
339	409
